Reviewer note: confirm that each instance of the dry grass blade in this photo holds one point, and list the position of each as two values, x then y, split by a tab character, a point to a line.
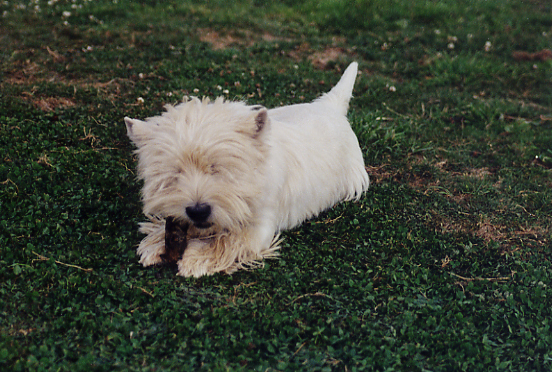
44	258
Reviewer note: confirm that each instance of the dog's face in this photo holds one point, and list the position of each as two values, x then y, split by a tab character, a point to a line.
202	163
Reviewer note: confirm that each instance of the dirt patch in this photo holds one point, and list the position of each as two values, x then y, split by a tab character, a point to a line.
478	173
445	225
323	58
25	72
218	41
221	40
379	174
439	177
543	55
418	181
489	232
422	182
485	230
51	103
536	232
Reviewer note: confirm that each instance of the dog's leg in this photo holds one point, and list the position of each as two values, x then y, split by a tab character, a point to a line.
153	245
199	258
228	253
265	239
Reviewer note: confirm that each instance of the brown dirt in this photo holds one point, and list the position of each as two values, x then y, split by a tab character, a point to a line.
320	59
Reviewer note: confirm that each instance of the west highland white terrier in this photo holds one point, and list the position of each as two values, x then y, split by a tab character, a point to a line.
222	179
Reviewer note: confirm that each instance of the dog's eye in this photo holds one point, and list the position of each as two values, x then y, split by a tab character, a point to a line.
213	169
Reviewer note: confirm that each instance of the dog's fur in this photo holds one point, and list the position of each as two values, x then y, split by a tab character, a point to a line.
235	175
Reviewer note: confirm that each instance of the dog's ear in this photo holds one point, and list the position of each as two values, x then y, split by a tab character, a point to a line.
261	121
137	130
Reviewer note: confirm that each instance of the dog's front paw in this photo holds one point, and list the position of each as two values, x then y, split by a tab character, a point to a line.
150	253
198	260
153	245
195	267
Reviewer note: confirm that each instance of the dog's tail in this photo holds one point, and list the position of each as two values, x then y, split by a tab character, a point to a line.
340	95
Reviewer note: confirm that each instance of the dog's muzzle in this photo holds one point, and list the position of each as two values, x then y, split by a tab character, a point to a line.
199	214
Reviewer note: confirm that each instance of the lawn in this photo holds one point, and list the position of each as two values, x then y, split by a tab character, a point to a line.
443	265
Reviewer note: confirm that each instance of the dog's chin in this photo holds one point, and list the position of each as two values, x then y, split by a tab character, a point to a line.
203	225
203	230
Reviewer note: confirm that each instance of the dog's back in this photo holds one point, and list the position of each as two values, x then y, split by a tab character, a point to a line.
316	154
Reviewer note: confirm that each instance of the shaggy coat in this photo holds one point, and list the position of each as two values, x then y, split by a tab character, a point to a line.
233	176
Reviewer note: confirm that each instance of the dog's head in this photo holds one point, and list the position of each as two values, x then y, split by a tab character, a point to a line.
202	162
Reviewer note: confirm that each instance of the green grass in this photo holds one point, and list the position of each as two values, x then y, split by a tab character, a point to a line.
444	265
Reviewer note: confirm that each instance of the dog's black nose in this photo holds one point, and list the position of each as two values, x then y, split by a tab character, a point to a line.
199	213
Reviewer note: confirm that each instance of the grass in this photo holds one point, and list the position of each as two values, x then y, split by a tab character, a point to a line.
444	265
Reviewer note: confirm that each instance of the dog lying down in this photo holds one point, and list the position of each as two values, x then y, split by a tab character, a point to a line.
222	179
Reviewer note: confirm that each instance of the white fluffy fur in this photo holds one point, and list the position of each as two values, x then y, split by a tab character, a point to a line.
261	171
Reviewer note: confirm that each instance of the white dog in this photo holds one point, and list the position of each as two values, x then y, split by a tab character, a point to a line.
221	179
